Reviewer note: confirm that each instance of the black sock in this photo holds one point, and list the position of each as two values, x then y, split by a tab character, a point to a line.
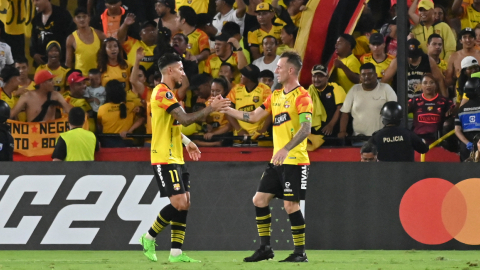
179	224
298	231
264	222
163	219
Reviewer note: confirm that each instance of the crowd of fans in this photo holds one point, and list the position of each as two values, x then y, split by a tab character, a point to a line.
103	60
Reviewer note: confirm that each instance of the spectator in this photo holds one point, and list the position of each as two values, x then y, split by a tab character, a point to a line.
50	23
391	41
148	39
40	105
440	14
418	64
167	15
247	96
76	144
435	47
428	26
217	123
226	13
368	153
270	58
10	76
250	20
223	54
180	45
6	139
365	27
429	110
364	102
477	37
377	57
468	118
227	71
199	48
232	29
200	85
266	77
117	116
327	101
469	15
288	36
346	65
95	93
24	82
83	44
76	97
467	39
112	18
292	14
204	23
6	57
199	6
469	66
54	66
138	79
111	63
265	16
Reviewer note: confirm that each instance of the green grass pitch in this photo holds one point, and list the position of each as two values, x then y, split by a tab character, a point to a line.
211	260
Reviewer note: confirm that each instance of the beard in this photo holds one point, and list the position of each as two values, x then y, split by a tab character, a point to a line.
178	85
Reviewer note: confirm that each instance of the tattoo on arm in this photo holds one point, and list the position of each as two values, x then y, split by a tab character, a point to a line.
187	119
301	135
246	117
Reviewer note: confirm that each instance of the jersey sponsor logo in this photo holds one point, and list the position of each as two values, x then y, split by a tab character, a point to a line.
149	59
429	118
303	181
281	118
393	139
287	187
248	108
256	99
169	95
124	75
471	119
429	108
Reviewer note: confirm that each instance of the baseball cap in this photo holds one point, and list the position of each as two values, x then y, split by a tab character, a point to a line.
80	10
426	4
319	69
376	39
168	3
42	76
149	23
414	49
52	44
264	7
251	72
222	37
75	77
465	31
468	62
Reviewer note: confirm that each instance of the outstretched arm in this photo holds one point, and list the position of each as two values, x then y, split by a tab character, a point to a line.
188	118
249	117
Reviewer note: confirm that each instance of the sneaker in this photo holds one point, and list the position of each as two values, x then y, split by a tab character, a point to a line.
181	258
296	257
263	253
148	248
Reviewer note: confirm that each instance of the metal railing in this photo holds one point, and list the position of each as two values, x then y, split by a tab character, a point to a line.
435	143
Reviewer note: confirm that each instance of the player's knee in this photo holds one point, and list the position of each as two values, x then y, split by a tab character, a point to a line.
181	205
291	207
258	201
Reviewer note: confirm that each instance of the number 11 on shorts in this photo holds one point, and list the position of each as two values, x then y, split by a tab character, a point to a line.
173	176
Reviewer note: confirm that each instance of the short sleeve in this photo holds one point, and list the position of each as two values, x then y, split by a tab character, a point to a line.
60	151
128	44
304	103
267	104
340	94
266	92
100	113
208	66
231	96
348	103
203	43
362	59
252	39
411	104
165	100
353	64
391	96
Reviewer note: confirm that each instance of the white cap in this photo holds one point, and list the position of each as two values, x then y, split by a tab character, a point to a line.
468	62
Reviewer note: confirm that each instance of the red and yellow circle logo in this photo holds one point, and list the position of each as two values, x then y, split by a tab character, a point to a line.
434	211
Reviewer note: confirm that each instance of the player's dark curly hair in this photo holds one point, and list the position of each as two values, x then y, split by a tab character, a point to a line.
115	93
168	59
102	56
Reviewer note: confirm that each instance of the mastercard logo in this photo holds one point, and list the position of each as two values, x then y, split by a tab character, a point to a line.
434	211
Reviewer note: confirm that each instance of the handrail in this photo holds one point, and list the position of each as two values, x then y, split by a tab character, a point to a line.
435	143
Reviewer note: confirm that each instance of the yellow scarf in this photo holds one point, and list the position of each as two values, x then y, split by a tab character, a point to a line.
319	113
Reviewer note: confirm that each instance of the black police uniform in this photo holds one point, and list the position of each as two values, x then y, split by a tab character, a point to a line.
395	143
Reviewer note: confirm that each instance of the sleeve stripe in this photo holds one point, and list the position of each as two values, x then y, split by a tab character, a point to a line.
173	107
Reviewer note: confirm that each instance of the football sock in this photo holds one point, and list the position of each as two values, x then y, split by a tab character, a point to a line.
179	224
163	219
298	231
175	252
264	222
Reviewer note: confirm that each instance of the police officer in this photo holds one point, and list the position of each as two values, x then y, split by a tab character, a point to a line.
6	139
395	143
467	121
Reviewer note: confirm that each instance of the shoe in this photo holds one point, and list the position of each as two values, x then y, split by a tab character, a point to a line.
263	253
148	248
296	257
181	258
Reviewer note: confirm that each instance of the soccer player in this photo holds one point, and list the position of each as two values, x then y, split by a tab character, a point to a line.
286	176
167	156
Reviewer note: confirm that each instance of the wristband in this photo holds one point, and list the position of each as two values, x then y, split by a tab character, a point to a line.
186	140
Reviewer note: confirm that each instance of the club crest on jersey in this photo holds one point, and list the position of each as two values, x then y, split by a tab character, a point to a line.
329	95
189	2
176	186
430	108
308	117
256	99
281	118
124	75
286	104
169	95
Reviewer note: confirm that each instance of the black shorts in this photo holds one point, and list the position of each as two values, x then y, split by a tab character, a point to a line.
288	182
172	179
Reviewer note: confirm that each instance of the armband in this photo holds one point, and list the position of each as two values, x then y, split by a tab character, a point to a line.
305	117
